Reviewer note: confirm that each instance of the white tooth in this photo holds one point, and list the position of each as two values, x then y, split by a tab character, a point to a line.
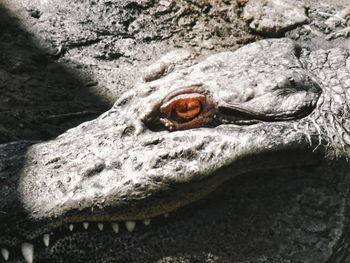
130	225
28	252
146	222
71	227
5	253
115	227
85	225
100	226
46	239
166	215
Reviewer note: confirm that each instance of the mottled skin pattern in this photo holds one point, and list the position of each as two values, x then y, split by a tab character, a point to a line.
276	152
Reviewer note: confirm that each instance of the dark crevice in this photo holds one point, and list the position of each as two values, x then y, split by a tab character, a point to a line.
84	43
39	97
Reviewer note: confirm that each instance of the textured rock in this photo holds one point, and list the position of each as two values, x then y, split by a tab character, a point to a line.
274	17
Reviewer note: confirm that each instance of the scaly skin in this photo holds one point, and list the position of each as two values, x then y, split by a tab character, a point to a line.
126	166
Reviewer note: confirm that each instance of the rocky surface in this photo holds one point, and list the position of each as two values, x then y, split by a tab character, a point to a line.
274	17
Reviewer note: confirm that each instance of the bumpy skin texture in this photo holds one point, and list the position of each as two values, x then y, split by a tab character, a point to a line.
125	165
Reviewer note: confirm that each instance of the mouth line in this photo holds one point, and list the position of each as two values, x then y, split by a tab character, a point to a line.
51	232
28	247
47	240
46	236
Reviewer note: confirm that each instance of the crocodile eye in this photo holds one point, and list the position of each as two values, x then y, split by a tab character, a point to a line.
183	108
186	109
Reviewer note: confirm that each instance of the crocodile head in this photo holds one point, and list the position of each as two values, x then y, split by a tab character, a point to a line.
221	145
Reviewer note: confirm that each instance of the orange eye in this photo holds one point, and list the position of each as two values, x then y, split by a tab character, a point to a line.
187	108
184	107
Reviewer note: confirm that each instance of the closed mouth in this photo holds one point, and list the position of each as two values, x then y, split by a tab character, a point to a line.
236	217
41	247
28	248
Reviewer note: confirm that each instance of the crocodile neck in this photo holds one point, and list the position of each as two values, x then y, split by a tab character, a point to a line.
331	68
